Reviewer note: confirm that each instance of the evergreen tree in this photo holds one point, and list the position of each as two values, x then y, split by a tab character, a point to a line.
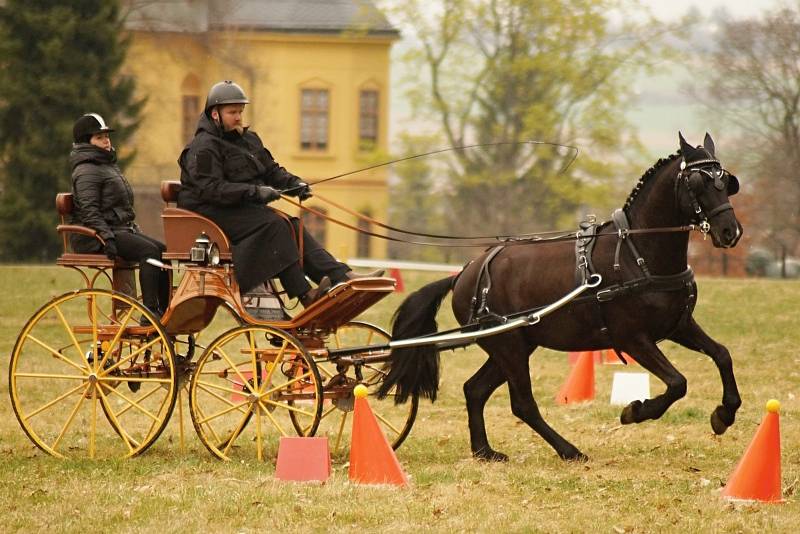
60	60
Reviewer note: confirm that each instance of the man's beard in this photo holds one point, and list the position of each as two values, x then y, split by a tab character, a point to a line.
237	128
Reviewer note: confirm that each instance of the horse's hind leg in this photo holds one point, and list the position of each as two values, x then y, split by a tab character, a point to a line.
649	356
477	391
691	335
512	357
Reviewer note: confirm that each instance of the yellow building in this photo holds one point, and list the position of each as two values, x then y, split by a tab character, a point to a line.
316	73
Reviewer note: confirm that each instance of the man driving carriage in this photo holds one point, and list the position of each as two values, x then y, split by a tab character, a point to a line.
229	176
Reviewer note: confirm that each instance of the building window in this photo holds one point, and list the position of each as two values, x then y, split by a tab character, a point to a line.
368	119
363	241
190	113
314	119
315	224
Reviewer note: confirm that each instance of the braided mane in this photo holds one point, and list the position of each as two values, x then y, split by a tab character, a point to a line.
647	175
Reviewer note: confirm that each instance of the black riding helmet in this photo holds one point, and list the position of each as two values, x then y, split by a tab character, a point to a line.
226	92
88	125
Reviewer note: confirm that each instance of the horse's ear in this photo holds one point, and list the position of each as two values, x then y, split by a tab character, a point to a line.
685	147
708	144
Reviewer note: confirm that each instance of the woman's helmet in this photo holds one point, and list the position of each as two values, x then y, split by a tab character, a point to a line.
226	92
87	126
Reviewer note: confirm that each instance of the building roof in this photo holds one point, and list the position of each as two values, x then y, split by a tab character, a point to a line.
296	16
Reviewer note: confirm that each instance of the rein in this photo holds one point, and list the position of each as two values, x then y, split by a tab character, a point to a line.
522	239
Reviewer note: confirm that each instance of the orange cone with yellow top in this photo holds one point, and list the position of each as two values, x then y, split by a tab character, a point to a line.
372	460
758	475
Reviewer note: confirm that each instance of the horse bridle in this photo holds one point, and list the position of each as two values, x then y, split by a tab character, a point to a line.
692	175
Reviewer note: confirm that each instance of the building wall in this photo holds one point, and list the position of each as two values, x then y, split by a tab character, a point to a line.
272	68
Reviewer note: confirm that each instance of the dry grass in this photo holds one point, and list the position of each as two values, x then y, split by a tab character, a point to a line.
661	476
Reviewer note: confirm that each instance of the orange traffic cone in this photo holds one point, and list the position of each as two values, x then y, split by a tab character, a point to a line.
574	356
399	286
758	475
372	460
303	459
579	386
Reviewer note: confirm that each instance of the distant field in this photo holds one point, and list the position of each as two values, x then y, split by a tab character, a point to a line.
661	476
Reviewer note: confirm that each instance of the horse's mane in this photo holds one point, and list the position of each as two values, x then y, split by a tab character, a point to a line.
647	175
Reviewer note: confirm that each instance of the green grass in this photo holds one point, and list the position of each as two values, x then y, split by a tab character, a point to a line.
660	476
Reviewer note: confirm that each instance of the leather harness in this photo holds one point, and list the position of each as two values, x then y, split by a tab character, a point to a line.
586	238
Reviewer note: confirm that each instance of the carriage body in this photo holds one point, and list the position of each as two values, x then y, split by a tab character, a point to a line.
94	373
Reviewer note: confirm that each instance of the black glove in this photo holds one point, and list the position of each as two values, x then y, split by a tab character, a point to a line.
304	191
266	194
110	249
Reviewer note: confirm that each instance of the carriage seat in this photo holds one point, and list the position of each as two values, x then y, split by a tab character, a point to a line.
182	227
65	207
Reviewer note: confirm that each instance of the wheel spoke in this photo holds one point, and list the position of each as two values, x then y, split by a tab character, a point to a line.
208	385
114	419
52	402
58	355
220	413
71	417
135	404
237	432
285	384
75	343
340	433
271	418
245	382
50	375
288	407
130	356
116	337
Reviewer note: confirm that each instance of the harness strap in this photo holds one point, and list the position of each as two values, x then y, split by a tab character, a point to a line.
585	240
479	307
622	224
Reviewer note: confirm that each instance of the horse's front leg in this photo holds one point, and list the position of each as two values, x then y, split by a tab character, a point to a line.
649	356
690	335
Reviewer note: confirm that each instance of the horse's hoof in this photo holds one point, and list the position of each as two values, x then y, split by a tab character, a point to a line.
718	425
576	456
629	413
489	455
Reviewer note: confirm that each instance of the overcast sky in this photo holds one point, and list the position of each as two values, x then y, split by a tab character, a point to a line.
666	9
663	107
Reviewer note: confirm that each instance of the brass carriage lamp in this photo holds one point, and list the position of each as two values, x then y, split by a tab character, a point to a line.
204	251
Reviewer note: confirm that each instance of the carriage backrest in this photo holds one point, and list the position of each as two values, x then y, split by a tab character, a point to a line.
64	205
182	227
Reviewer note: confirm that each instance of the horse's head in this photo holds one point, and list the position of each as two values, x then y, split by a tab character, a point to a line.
703	189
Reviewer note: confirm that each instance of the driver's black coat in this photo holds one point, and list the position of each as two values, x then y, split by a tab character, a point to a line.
219	175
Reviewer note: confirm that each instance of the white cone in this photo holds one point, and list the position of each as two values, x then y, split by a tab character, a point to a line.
628	387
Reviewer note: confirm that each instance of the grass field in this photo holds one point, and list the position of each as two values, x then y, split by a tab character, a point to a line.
660	476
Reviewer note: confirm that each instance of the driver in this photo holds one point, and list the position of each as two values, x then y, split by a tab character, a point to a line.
229	176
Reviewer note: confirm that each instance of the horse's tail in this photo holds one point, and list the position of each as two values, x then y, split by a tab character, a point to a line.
415	370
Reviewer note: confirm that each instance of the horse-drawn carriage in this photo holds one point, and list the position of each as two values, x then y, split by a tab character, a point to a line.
95	373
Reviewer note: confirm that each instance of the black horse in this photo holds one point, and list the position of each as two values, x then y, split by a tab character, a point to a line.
647	295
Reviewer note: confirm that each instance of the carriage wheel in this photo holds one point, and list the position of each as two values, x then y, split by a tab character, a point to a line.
247	385
86	379
395	420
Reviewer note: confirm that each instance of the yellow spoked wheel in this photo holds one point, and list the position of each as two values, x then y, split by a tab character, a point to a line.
338	383
93	375
249	385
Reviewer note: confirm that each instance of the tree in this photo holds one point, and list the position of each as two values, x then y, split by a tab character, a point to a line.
504	72
753	81
60	60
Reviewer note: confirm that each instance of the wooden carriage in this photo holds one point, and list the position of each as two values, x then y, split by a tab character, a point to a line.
94	373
